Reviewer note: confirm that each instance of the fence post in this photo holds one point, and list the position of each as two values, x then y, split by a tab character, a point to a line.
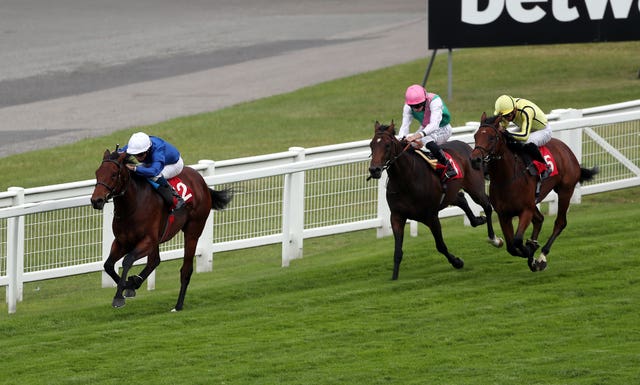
15	253
384	213
204	249
107	240
293	211
573	139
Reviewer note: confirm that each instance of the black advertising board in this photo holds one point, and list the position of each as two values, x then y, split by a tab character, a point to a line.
486	23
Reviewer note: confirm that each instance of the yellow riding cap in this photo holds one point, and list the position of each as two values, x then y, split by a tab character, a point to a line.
504	105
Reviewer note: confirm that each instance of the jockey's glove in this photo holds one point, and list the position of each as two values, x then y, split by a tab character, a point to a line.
132	159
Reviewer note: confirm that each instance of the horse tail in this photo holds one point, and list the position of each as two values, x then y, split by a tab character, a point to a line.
220	198
588	174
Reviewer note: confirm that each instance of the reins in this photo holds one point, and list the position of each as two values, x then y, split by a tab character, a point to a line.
389	162
488	156
111	189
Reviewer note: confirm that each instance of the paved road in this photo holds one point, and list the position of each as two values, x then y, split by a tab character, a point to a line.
73	69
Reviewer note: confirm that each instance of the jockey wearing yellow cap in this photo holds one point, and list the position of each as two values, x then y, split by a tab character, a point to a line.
534	131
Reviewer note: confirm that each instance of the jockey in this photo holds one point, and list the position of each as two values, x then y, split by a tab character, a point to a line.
534	129
432	114
157	160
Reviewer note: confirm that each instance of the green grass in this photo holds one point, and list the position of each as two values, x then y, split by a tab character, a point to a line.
557	76
335	317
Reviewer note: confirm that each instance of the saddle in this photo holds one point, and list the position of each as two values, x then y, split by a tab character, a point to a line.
440	168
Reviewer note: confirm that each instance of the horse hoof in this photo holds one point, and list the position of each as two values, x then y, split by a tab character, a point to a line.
118	302
541	265
457	263
129	293
496	242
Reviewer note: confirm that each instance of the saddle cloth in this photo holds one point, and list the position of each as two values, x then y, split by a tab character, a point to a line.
182	189
551	162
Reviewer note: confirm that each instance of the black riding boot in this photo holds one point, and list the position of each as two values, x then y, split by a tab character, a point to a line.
436	151
168	193
535	154
526	152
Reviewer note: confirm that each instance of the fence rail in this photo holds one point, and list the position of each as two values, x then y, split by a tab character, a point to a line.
52	231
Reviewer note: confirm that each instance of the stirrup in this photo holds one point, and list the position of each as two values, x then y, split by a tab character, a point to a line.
180	204
449	172
545	174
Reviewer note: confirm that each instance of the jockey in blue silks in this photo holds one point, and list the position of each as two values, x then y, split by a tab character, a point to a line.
158	160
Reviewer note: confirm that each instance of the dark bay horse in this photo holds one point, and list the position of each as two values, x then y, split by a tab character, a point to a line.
142	221
512	189
414	190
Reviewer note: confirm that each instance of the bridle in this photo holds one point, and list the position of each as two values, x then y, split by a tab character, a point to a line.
390	160
112	189
487	155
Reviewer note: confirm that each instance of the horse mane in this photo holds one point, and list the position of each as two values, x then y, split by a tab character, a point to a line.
490	120
385	127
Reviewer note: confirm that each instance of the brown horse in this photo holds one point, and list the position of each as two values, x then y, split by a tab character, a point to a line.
141	221
513	189
415	191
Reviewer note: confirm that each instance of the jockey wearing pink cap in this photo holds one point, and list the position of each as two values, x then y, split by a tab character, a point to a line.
434	117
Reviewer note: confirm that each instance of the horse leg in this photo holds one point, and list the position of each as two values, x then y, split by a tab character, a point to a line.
397	225
118	298
135	281
436	230
143	249
536	221
560	223
518	240
506	224
483	200
461	201
115	255
190	243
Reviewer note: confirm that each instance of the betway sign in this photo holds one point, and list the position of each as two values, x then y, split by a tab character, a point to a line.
478	23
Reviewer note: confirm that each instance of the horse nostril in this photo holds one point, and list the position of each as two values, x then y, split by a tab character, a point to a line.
375	172
97	204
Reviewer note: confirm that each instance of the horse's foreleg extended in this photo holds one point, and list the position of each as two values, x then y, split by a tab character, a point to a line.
436	231
506	224
115	254
127	263
135	281
536	221
397	225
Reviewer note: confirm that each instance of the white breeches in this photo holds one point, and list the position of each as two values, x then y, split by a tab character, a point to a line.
440	136
540	137
171	170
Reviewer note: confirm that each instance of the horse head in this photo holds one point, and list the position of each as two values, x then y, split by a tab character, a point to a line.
112	178
383	147
489	139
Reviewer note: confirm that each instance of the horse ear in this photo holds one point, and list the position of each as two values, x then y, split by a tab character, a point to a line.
483	117
106	154
392	125
376	125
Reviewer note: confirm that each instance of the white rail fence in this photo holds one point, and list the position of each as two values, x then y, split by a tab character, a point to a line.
283	198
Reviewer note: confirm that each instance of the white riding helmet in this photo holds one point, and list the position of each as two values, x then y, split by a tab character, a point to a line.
139	143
